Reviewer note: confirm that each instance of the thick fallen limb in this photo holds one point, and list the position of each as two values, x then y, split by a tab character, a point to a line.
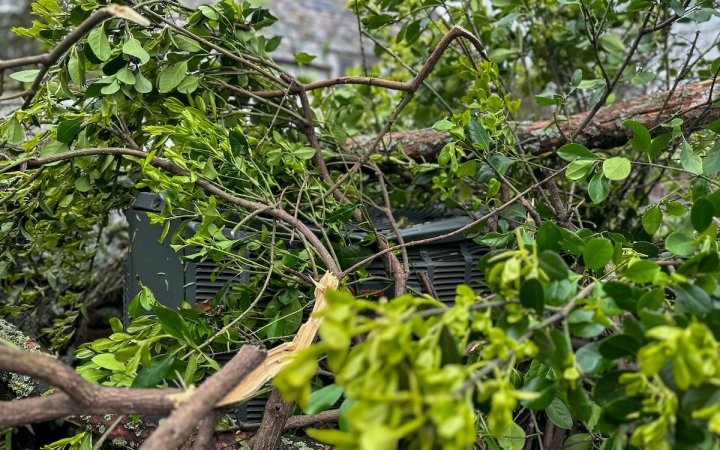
604	131
181	424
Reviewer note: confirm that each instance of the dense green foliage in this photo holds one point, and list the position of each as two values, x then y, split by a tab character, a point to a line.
598	321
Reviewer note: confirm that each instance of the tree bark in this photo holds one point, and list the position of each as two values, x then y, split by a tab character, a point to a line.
276	415
605	131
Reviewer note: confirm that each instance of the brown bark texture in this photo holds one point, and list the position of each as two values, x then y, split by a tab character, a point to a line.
690	102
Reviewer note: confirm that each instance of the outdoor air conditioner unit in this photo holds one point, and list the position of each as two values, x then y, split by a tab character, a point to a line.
447	263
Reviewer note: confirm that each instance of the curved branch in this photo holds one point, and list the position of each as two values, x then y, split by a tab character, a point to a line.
363	81
454	33
210	188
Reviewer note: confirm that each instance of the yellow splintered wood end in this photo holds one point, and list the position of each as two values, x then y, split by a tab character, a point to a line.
280	356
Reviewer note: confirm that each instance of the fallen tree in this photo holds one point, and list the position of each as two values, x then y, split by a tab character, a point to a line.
690	103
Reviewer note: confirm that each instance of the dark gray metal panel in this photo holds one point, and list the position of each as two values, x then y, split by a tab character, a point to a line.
155	265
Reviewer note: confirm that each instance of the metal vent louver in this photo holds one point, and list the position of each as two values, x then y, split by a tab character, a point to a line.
159	267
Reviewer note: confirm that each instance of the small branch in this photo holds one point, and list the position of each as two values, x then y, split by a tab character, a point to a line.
454	33
15	95
460	230
364	81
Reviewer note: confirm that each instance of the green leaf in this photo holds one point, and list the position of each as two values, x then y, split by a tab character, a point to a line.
188	85
553	265
513	438
680	243
690	161
304	58
82	184
133	47
142	84
171	76
651	219
477	134
641	139
618	346
352	254
14	132
578	169
110	88
576	78
569	152
125	76
598	188
26	76
559	414
701	214
99	44
323	399
108	361
532	295
658	144
544	387
172	323
642	78
76	69
597	253
150	377
549	237
443	125
343	423
711	163
67	130
690	298
642	271
579	404
612	43
582	441
617	168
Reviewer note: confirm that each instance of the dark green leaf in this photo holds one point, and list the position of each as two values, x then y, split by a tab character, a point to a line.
569	152
67	130
532	295
691	298
618	346
553	265
477	134
579	403
172	323
543	386
449	349
549	237
150	377
559	414
597	253
641	137
701	214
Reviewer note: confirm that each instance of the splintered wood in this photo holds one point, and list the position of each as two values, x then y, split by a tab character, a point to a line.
280	356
